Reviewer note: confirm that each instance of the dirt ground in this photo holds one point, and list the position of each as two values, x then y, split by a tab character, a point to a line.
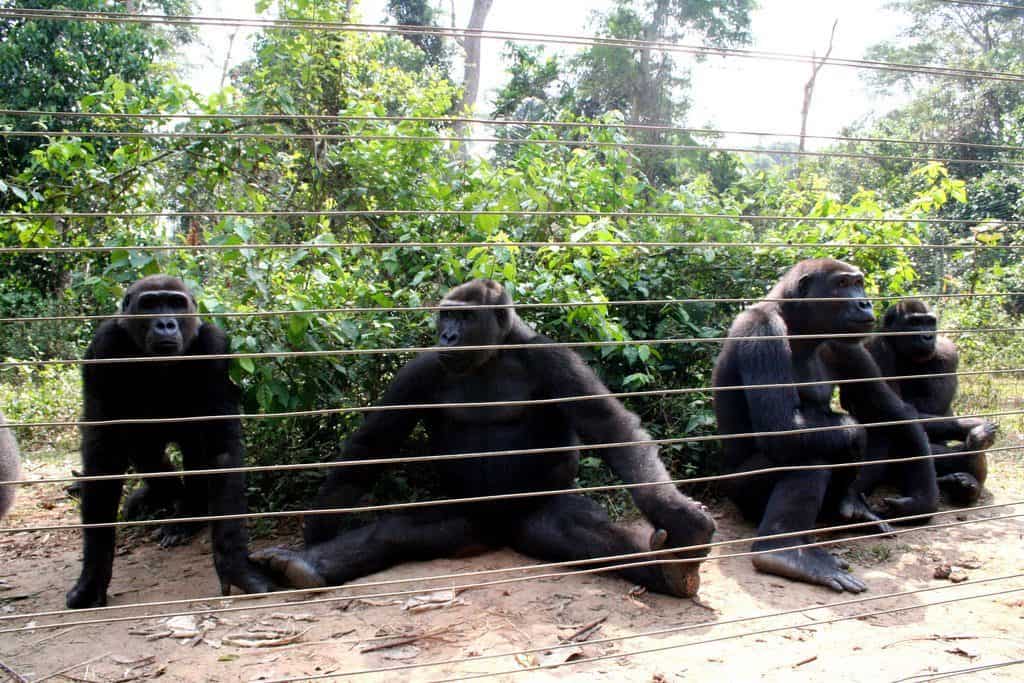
352	629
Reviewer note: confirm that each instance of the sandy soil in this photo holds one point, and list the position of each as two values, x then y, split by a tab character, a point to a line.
294	636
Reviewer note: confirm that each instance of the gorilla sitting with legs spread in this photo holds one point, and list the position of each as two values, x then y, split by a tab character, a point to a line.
794	501
554	528
160	390
960	476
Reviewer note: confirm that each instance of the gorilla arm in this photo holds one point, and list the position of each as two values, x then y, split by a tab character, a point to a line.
380	436
875	402
605	420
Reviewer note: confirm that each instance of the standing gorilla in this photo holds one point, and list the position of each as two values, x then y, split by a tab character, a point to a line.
960	476
794	501
10	467
553	528
161	390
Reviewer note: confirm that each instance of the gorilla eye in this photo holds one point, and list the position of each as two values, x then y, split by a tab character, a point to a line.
844	282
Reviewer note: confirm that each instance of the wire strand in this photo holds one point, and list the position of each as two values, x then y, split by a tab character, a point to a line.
31	625
334	353
619	215
320	412
600	144
381	310
518	36
660	648
941	675
610	125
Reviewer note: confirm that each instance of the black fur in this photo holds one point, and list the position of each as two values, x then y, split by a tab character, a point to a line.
159	390
556	528
794	501
961	477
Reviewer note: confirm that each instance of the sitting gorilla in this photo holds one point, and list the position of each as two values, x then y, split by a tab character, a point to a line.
960	476
554	528
160	390
794	501
10	467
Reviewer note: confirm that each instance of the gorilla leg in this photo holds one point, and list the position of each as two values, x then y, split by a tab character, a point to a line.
574	527
222	494
99	505
960	477
794	505
392	539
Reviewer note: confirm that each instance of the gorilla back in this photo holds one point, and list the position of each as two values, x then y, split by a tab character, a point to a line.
10	466
152	390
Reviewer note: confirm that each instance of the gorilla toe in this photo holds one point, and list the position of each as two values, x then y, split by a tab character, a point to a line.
810	565
296	570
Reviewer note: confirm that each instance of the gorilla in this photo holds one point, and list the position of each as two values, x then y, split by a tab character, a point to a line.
161	390
551	528
10	467
795	501
961	477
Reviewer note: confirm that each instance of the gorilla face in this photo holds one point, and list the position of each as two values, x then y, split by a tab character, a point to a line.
852	314
457	327
918	347
167	299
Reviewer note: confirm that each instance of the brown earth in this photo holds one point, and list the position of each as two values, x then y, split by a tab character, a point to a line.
344	633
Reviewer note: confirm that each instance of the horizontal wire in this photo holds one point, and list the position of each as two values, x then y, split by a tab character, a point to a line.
620	215
378	408
659	648
601	144
981	3
525	244
334	353
358	310
623	125
940	675
491	454
658	554
519	36
496	454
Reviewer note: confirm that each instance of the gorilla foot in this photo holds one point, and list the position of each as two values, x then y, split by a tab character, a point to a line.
960	488
906	506
249	578
86	594
981	437
854	508
810	565
296	570
177	533
144	504
682	579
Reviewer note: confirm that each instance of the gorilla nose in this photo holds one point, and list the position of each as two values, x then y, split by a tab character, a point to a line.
166	327
449	339
865	305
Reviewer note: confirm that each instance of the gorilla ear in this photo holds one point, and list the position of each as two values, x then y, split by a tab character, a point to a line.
803	285
125	302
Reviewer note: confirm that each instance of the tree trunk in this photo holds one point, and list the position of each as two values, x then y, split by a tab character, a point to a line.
647	91
471	78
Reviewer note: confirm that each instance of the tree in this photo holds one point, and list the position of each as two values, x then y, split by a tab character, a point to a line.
645	83
421	13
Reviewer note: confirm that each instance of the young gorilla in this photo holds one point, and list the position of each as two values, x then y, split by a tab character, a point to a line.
553	528
10	467
160	390
794	501
960	476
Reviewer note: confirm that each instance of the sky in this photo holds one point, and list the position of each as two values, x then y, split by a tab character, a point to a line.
728	93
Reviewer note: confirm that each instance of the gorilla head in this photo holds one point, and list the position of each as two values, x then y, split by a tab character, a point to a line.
166	299
911	315
457	326
819	279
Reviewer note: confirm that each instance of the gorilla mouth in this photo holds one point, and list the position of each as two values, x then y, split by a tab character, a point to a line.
165	348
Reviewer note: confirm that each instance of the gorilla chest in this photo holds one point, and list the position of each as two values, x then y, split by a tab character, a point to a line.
812	369
505	381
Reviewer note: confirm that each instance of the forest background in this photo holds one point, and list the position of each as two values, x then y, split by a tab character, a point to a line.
958	184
